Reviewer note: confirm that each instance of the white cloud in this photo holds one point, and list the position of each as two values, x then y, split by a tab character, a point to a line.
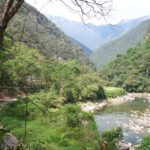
122	9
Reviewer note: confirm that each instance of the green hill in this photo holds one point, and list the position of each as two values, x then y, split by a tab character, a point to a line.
132	70
40	33
108	52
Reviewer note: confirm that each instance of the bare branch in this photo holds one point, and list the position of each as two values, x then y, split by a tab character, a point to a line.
90	8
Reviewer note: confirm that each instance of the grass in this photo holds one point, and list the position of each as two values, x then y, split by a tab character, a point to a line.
111	92
50	130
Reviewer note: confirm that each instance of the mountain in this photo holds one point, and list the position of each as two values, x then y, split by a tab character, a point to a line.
35	30
131	70
85	49
108	52
93	36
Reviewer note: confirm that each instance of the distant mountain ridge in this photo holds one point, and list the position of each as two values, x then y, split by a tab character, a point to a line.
109	51
93	36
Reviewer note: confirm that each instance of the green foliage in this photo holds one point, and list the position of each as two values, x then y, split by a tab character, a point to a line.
26	69
50	130
74	118
23	65
112	135
114	91
145	145
110	138
15	109
109	51
132	70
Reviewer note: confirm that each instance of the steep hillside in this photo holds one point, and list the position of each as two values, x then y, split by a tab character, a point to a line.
38	32
132	70
94	36
109	51
85	49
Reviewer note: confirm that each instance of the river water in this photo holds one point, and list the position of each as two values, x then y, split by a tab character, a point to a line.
133	117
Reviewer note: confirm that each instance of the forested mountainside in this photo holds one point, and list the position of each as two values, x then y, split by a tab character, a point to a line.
86	50
36	31
109	51
132	70
95	36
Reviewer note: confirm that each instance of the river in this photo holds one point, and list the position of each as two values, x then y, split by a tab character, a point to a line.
133	117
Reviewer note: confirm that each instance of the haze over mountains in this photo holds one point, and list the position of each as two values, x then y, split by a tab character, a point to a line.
109	51
93	36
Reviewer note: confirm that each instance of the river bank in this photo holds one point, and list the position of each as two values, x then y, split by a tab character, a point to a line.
133	117
98	106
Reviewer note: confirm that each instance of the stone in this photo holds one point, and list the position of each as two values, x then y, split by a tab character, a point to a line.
9	141
124	146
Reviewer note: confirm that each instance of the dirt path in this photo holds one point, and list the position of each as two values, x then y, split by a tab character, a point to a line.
6	100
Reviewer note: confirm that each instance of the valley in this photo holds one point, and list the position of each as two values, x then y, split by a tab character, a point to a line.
65	85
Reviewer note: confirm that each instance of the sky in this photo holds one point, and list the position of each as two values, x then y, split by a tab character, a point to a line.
121	10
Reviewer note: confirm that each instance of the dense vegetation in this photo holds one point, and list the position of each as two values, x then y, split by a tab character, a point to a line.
132	70
53	86
48	75
67	128
26	69
109	51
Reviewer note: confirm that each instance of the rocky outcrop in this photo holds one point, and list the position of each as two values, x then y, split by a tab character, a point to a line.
9	142
124	146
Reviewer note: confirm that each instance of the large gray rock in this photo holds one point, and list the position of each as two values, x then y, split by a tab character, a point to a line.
9	142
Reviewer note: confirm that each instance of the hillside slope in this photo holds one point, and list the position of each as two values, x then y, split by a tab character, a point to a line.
38	32
94	36
85	49
109	51
132	70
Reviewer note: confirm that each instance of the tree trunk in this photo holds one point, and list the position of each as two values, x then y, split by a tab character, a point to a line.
1	36
9	9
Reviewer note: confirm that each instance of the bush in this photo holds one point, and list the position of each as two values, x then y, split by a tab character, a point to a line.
14	109
114	91
73	113
112	135
49	100
110	138
145	145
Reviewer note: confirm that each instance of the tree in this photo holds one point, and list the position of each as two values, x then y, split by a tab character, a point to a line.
8	8
85	8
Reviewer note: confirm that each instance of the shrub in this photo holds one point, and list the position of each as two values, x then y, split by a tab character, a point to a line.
114	91
112	135
145	145
14	109
49	100
73	113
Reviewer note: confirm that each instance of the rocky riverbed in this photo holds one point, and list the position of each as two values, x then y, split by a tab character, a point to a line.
98	106
133	117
